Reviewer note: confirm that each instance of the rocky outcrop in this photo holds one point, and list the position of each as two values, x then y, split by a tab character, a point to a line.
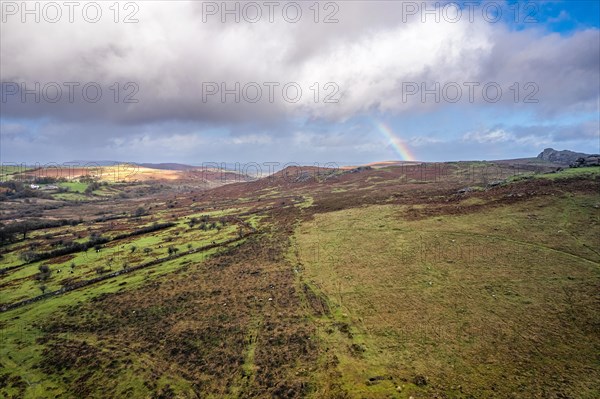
565	157
590	160
303	177
360	169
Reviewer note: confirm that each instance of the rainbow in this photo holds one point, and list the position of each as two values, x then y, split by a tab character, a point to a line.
399	146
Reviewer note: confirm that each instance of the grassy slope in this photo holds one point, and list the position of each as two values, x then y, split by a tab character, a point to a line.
23	334
500	303
20	330
21	350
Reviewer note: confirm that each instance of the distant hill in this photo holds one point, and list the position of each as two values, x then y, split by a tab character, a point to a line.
168	166
565	157
84	163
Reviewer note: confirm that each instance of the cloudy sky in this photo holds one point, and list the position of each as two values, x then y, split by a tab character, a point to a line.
345	81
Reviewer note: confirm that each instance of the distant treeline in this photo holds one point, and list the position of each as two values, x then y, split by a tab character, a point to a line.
11	232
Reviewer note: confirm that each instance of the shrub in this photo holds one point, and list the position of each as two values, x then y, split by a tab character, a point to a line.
28	256
44	273
92	187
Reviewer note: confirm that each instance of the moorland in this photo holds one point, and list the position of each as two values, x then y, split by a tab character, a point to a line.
392	280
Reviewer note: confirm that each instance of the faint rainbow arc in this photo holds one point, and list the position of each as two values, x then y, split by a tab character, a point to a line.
399	146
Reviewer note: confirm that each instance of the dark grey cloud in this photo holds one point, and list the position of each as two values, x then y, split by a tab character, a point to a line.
171	56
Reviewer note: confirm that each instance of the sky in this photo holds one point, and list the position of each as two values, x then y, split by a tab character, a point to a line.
310	82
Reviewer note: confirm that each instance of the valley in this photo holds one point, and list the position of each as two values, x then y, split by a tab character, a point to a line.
454	280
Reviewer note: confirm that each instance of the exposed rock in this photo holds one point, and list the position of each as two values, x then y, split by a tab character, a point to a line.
303	177
360	169
590	160
420	381
565	157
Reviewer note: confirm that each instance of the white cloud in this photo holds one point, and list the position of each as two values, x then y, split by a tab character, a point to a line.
493	136
423	141
12	130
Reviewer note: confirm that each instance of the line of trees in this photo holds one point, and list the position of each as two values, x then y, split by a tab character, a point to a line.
144	230
10	233
94	242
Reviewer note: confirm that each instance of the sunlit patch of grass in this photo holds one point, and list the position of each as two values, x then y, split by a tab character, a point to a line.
7	172
74	186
